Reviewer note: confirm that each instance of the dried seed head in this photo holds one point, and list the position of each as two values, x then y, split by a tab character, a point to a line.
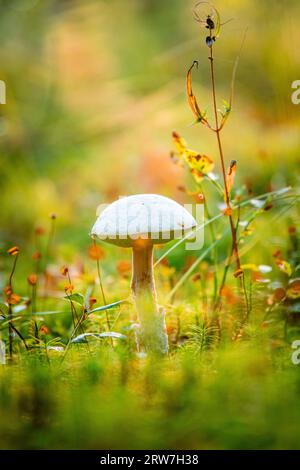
92	301
13	299
7	291
37	255
40	231
15	250
64	270
44	330
96	253
32	279
69	288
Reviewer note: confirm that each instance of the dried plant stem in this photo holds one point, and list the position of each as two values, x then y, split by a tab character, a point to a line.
215	251
217	130
233	228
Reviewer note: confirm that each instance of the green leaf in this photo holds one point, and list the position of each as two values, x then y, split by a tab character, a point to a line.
110	334
257	203
55	348
3	309
77	298
108	306
50	312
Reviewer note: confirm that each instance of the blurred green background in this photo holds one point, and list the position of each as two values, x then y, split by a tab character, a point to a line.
94	89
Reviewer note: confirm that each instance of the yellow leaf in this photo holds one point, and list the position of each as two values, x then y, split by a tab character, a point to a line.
284	266
249	266
191	97
230	175
201	163
198	176
180	143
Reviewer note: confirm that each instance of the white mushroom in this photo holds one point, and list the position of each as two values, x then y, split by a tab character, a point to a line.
139	222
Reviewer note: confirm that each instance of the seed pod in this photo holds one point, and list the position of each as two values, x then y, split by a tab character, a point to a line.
209	41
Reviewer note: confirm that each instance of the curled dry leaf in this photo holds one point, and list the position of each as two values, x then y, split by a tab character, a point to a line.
231	172
191	97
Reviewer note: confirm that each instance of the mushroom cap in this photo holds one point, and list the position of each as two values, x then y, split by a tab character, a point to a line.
142	216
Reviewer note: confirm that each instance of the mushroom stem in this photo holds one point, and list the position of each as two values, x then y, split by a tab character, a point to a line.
153	336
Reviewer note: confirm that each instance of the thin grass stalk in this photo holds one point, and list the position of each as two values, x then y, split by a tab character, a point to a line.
10	312
103	294
48	250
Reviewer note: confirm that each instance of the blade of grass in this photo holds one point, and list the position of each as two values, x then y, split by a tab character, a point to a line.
218	216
